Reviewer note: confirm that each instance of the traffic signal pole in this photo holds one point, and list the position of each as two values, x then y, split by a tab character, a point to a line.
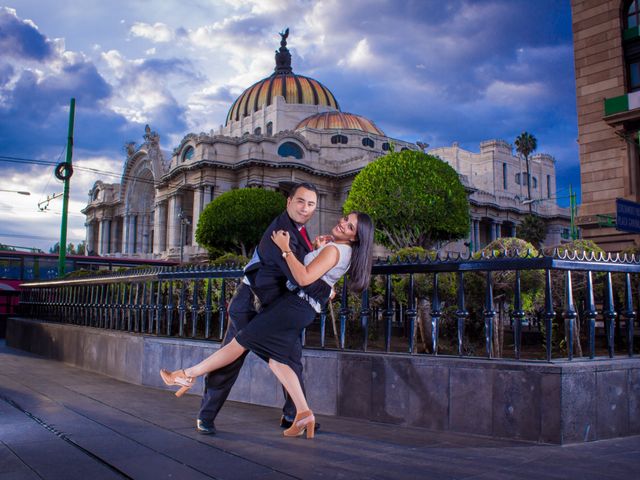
64	172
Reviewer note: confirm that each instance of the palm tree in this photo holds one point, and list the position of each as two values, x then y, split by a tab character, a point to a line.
526	144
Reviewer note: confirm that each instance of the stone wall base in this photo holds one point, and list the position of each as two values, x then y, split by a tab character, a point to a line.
556	403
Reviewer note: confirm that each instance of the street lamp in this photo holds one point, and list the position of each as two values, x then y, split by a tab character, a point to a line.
184	221
572	205
15	191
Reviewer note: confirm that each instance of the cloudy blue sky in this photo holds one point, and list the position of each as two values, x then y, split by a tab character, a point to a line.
430	70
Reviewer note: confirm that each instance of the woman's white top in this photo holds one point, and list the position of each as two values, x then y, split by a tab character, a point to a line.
340	268
333	275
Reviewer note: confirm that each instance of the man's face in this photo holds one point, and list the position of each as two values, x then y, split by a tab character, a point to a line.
301	206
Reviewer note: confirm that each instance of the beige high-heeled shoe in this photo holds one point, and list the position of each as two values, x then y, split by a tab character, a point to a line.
179	378
304	421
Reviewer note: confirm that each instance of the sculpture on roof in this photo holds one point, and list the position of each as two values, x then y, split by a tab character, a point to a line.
283	56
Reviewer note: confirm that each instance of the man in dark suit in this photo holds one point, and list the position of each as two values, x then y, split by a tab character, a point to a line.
265	279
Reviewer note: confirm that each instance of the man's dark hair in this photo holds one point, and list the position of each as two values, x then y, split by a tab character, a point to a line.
305	185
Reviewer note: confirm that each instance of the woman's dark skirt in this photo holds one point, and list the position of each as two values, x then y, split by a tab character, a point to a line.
273	332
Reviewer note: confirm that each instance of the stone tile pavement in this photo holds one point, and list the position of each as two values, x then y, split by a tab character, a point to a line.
60	422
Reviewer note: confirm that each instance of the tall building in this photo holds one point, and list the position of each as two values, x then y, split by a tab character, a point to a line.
284	129
606	40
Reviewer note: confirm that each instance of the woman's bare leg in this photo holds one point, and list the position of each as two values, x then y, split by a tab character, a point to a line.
290	381
224	356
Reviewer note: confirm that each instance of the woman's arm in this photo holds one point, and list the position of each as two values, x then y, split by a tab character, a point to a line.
306	275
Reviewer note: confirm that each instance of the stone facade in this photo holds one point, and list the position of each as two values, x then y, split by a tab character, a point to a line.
496	181
606	48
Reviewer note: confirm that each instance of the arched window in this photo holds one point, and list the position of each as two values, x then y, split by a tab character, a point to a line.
367	142
290	149
631	42
386	146
257	131
517	179
339	139
269	129
535	182
188	154
403	149
632	18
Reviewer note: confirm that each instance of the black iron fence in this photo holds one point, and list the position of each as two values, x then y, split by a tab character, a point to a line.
509	305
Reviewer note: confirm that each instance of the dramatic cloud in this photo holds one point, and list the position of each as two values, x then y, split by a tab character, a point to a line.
21	38
158	32
459	70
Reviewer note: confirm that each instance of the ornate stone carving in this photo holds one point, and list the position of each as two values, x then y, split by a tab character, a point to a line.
152	138
130	148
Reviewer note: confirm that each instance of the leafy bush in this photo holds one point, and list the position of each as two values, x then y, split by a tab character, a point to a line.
415	199
533	230
237	219
229	259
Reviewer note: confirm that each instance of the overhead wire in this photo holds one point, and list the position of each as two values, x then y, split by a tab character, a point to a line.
122	176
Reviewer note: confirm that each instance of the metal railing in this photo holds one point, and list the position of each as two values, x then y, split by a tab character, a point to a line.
192	303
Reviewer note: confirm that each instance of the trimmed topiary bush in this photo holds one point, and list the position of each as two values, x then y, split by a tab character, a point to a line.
237	219
415	200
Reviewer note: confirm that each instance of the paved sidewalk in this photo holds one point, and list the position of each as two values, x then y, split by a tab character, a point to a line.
60	422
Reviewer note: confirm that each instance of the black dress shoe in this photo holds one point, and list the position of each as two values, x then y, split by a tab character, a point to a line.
205	428
286	422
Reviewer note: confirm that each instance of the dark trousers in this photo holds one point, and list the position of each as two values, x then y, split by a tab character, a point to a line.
218	384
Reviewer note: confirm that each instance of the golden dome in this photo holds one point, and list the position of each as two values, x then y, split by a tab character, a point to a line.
283	82
294	88
340	121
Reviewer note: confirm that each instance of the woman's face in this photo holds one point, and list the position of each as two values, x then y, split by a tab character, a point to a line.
346	229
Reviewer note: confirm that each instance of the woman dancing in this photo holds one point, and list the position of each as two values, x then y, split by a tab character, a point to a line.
272	333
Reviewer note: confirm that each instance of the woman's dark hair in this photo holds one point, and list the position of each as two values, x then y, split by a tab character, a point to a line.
361	254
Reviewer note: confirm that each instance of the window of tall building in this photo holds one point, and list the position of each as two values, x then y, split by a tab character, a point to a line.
548	186
257	131
634	76
385	146
367	142
188	154
632	19
336	139
521	179
504	176
290	149
269	129
631	36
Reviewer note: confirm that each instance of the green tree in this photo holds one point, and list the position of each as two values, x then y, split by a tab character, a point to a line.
236	219
526	144
415	200
533	230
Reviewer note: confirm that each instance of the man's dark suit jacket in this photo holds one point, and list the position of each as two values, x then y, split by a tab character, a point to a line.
269	277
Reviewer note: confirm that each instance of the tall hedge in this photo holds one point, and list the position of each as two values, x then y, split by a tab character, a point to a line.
236	220
414	198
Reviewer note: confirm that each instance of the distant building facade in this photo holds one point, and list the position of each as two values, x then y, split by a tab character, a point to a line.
606	41
284	129
496	180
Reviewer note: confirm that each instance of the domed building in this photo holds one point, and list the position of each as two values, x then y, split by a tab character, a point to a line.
284	129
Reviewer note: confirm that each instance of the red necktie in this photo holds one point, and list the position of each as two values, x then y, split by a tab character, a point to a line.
303	232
